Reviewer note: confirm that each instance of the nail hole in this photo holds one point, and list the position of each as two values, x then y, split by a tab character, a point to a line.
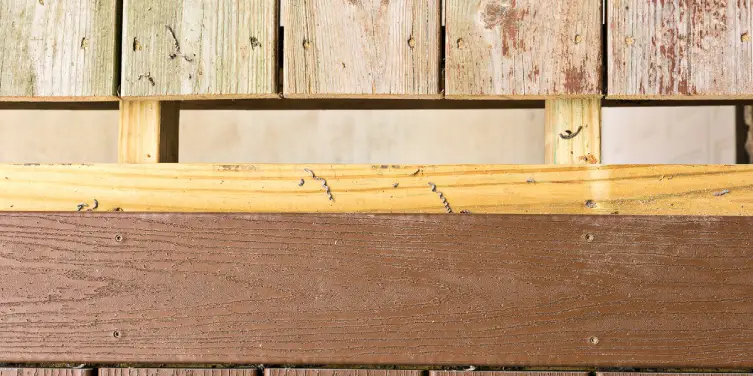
594	340
589	237
306	44
148	155
118	238
116	334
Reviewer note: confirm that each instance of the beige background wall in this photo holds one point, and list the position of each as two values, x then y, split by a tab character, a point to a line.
630	135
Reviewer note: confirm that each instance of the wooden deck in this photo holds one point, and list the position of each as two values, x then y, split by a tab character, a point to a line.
572	266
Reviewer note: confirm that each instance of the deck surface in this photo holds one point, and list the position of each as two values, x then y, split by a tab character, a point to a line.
555	291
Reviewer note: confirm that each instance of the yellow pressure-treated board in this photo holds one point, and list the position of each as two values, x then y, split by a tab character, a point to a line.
680	49
199	48
646	190
362	48
58	50
149	132
573	131
523	48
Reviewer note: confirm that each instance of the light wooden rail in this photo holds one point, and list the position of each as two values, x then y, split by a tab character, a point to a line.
645	190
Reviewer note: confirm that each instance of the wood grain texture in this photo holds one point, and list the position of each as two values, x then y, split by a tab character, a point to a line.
45	372
646	190
680	49
508	373
669	374
199	49
58	50
523	48
149	132
175	372
370	289
573	131
748	120
338	372
362	48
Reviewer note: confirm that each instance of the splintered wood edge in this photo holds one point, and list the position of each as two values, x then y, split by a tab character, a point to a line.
361	96
111	98
477	189
651	97
521	97
191	97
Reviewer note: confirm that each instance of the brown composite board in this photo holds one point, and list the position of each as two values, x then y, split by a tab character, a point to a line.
376	289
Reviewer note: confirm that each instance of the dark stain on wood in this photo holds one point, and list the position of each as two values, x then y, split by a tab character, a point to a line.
575	80
376	289
508	17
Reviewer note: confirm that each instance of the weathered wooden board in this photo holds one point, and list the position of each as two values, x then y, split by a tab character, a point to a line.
523	48
362	48
370	289
507	373
680	49
58	50
197	48
175	372
338	372
45	372
670	374
645	190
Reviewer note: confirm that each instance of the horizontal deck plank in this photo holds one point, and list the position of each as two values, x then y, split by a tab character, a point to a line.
600	291
58	50
176	372
523	49
184	49
680	49
362	49
30	371
500	189
338	372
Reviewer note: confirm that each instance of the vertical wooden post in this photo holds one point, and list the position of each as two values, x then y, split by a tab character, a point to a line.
573	131
149	131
